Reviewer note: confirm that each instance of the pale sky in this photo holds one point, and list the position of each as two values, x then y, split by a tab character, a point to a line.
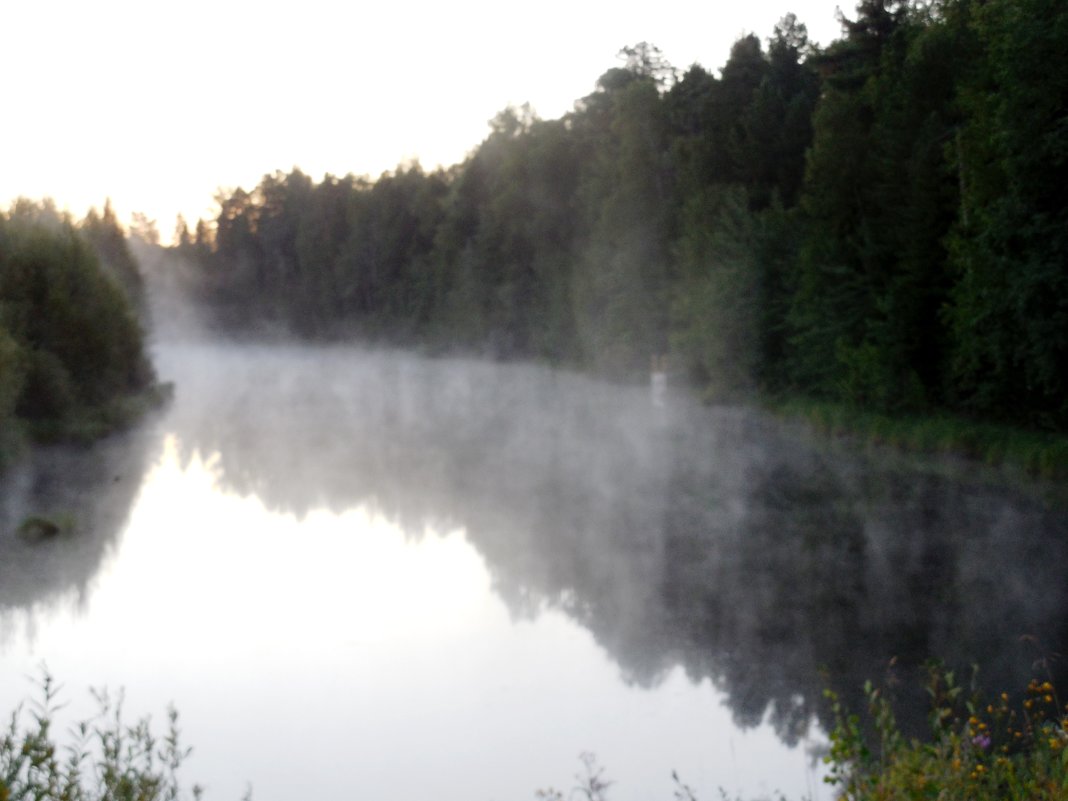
157	105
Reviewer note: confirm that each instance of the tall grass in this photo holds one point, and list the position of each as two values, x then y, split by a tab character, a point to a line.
997	749
979	750
105	758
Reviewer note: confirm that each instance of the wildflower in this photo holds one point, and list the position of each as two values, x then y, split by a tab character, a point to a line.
981	741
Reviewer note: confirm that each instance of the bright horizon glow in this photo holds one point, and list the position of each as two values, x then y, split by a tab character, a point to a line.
158	107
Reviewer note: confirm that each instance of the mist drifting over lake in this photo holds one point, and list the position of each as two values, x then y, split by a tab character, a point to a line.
489	568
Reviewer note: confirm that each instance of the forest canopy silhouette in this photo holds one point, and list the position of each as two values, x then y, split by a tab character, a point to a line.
72	350
880	222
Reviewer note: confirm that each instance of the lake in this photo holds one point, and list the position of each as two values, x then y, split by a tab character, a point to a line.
371	574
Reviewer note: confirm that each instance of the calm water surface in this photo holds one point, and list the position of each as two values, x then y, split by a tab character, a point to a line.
372	575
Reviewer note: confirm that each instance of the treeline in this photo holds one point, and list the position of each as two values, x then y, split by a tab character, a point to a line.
71	344
555	239
880	222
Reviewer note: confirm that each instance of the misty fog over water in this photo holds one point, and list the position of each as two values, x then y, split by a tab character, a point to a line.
364	573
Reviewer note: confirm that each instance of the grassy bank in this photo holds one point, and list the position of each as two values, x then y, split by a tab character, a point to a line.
993	749
1041	455
980	749
102	758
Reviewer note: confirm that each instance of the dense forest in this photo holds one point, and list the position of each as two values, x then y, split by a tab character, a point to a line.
880	222
71	344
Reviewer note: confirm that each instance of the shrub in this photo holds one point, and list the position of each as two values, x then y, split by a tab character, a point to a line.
978	750
70	341
108	759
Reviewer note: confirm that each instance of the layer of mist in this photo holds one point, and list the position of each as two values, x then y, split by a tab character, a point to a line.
713	538
709	537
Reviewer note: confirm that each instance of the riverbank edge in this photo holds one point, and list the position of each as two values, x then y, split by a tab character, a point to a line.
980	746
85	426
1031	454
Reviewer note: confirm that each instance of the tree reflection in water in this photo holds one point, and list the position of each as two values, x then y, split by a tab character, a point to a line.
712	538
89	491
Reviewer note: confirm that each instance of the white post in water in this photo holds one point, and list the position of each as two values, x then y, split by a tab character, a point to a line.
658	380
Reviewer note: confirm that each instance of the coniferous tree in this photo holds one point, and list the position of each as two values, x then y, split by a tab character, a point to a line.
70	341
1009	312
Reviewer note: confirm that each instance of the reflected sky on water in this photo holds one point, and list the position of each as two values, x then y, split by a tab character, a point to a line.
373	574
335	654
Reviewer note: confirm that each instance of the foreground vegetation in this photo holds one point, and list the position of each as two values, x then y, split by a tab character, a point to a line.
72	354
106	758
978	749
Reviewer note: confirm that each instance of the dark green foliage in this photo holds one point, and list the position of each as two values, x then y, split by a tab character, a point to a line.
12	379
1009	316
716	307
70	343
915	288
877	204
881	223
552	240
621	272
48	391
